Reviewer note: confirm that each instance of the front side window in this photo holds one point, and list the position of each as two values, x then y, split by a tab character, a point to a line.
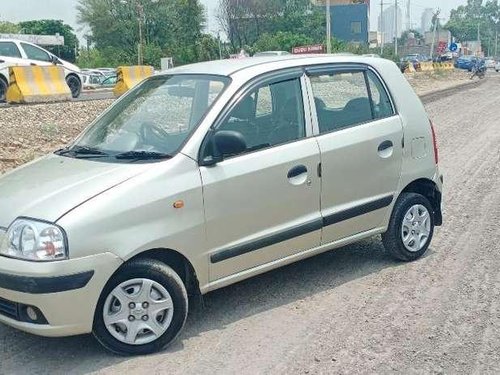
342	100
270	115
153	120
35	53
9	49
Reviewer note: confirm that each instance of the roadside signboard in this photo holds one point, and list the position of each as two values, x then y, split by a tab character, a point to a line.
453	47
317	48
441	48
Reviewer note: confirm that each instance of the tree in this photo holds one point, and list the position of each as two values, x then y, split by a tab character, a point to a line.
245	21
170	27
9	27
466	20
53	27
281	41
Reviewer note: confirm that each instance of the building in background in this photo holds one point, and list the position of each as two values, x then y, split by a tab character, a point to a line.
426	22
350	19
386	22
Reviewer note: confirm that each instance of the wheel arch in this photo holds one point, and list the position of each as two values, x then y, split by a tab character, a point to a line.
71	74
178	262
428	189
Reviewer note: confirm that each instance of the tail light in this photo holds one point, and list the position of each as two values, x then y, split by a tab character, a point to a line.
434	143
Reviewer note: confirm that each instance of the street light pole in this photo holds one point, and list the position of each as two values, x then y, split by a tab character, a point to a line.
328	28
140	53
396	28
381	27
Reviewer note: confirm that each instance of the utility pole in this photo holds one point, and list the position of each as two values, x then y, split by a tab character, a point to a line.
328	28
436	17
408	15
395	28
496	42
381	27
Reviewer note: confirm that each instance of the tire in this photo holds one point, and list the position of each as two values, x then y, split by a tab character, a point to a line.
147	271
393	239
3	90
74	85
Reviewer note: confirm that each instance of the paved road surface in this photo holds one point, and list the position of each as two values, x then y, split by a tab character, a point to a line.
95	94
352	310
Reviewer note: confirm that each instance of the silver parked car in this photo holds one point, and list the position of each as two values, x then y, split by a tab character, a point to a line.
207	175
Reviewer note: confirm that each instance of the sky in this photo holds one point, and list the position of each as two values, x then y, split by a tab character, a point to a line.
22	10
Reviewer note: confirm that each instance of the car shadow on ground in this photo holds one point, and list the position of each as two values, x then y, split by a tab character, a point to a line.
24	353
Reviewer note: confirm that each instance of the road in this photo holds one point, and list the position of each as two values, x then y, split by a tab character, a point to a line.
352	310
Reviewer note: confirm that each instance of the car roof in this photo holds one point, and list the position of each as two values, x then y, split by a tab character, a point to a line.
230	67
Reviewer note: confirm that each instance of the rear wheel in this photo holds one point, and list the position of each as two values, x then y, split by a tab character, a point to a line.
74	85
3	89
411	227
142	309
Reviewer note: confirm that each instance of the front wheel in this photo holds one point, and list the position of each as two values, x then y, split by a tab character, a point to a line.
411	227
142	309
74	85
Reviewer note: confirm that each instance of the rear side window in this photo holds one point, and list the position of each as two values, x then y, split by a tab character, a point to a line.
9	49
342	100
346	99
382	106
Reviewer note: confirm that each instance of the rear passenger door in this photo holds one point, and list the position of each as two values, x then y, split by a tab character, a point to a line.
360	139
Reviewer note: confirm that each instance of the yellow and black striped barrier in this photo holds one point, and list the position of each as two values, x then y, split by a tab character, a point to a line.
130	76
37	84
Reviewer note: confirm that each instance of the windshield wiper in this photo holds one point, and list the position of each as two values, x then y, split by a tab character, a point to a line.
142	155
82	151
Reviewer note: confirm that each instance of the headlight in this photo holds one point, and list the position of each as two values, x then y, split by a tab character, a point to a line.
34	240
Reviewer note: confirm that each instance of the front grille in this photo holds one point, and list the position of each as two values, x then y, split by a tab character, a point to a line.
9	309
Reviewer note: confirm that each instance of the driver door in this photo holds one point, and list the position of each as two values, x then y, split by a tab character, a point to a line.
262	205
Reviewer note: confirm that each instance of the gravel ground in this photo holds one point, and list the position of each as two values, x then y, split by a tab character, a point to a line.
352	310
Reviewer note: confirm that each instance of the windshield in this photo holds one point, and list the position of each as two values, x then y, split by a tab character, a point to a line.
152	121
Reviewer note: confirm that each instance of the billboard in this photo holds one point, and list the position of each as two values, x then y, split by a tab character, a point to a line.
41	40
317	48
340	2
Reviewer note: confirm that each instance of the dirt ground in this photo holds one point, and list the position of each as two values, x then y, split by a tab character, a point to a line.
352	310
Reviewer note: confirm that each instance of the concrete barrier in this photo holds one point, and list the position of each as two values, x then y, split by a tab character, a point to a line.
37	84
129	76
426	66
410	68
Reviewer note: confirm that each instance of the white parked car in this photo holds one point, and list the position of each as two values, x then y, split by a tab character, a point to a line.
20	53
497	66
207	175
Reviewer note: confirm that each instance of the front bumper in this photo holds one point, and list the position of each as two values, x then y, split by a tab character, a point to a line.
65	292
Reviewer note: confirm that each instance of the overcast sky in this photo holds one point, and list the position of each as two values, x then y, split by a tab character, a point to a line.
22	10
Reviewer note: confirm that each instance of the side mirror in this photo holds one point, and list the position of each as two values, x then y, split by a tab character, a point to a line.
54	60
229	142
225	142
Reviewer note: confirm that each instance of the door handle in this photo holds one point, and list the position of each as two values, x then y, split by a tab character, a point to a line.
385	145
386	149
297	171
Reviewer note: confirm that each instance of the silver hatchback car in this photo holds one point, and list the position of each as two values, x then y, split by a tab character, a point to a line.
205	176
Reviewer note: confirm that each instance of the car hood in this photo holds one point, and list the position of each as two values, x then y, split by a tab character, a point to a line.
50	187
70	66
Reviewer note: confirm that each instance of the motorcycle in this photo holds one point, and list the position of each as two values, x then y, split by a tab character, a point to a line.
480	72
